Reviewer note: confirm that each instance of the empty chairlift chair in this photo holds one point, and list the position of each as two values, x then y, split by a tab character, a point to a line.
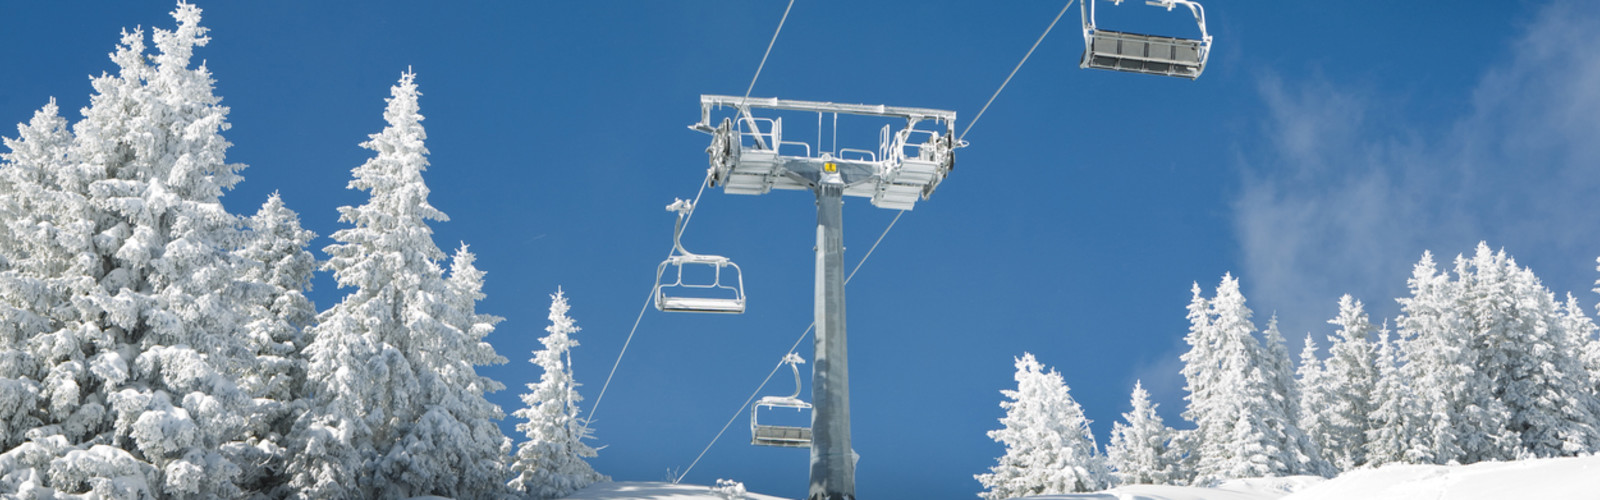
722	293
788	436
1148	54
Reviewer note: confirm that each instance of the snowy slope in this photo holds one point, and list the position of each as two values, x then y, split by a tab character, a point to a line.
1576	478
1239	489
1553	478
652	491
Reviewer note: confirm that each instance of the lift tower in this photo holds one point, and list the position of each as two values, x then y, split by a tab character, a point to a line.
749	155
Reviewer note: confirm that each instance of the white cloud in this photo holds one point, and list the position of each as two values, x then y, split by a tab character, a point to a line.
1348	191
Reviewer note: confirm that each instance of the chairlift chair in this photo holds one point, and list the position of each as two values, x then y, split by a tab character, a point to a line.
678	295
786	436
1147	54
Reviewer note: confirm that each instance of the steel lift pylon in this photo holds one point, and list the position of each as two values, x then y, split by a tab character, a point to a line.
750	155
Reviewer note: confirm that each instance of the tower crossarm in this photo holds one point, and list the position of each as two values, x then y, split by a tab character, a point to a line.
750	153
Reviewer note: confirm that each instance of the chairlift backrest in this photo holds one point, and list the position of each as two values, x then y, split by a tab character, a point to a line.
1142	53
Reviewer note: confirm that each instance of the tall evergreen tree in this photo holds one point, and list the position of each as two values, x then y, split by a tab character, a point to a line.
1313	395
1391	421
1350	377
1540	373
1583	331
550	464
1049	449
1438	361
1285	390
1140	450
1496	372
1484	430
1239	431
398	408
39	220
276	270
1299	449
139	347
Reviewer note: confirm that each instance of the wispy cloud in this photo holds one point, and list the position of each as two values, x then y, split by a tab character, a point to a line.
1347	192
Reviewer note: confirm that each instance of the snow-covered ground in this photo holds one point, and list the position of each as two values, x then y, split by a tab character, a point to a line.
1240	489
1575	478
1551	478
653	491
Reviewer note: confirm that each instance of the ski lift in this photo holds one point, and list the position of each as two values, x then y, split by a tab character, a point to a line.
787	436
1148	54
696	296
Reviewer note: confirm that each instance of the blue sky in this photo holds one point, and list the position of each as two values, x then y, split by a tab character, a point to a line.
1325	147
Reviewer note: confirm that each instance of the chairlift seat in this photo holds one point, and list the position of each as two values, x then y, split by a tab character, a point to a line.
699	304
781	436
1148	54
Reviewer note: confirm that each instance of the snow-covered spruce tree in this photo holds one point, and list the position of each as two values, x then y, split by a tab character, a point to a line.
1140	450
1280	370
1049	449
140	364
1284	395
1583	333
1438	361
53	403
1526	364
35	272
1505	380
397	408
1391	421
1542	379
1349	377
1238	432
276	271
1483	425
1313	394
550	463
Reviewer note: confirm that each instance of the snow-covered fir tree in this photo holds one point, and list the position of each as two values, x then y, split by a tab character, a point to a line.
1313	393
1280	370
141	341
1140	450
1049	448
1348	379
1238	431
1438	361
1583	331
1495	373
276	271
1284	396
1543	380
1392	419
39	223
550	464
398	409
1580	330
